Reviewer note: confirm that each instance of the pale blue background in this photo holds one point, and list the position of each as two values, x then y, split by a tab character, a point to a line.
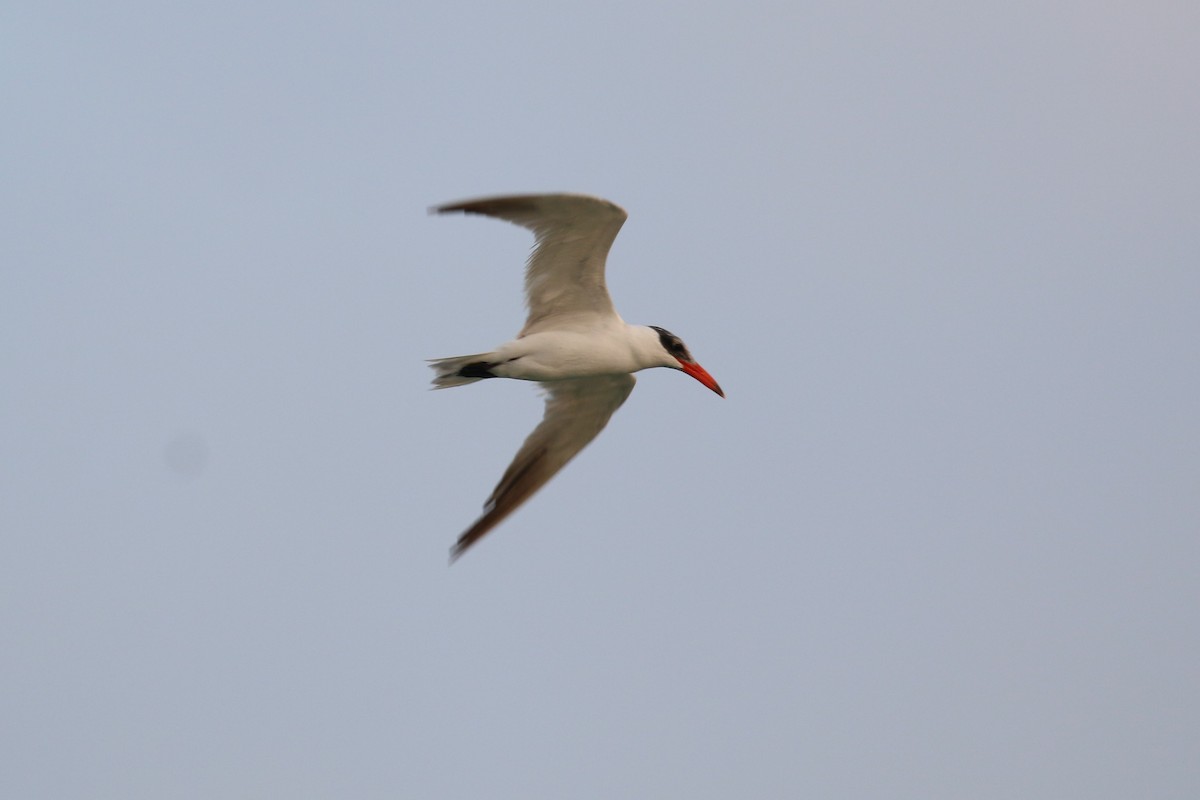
939	542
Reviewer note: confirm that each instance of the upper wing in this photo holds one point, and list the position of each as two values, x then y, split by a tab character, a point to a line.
565	271
576	411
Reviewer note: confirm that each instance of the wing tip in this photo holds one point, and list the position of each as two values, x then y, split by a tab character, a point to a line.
464	544
500	205
490	206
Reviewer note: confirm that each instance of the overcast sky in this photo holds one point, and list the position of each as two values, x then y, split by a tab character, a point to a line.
940	541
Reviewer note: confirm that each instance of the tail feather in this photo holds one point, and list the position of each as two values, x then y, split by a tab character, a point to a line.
460	370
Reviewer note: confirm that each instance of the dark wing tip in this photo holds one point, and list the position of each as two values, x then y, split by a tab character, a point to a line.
473	534
517	206
518	484
458	549
490	206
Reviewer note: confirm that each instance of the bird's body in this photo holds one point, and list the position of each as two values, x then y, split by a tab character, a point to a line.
611	349
574	343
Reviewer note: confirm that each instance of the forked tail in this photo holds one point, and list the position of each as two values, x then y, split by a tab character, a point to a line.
461	370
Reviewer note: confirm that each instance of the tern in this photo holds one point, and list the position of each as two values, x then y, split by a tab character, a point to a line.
574	343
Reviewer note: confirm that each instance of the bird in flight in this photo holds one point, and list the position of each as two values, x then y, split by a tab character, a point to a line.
574	343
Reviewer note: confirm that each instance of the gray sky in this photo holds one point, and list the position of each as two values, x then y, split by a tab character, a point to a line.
940	541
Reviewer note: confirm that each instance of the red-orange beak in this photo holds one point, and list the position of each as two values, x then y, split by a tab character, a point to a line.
701	374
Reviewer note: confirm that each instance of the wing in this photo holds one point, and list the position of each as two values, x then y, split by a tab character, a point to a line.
576	411
573	232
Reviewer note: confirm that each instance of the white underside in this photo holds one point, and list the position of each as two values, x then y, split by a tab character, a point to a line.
555	355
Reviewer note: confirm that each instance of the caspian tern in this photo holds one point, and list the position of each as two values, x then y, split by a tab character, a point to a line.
574	343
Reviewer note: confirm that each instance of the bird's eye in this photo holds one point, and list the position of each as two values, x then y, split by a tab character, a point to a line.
672	344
